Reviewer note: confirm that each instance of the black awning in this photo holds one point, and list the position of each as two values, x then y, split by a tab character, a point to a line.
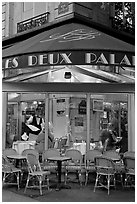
70	44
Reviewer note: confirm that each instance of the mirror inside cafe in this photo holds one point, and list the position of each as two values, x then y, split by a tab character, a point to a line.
68	118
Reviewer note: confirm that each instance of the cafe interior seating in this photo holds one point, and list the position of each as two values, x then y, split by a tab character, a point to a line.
36	177
10	174
129	164
89	162
75	165
105	173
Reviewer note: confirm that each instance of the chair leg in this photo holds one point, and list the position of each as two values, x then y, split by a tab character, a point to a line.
97	176
66	175
18	180
40	184
80	178
27	184
108	183
3	180
48	182
86	180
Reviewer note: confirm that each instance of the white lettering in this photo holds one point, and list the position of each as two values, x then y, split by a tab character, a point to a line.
65	58
90	57
112	58
30	60
125	60
8	61
102	59
133	60
41	59
51	59
15	62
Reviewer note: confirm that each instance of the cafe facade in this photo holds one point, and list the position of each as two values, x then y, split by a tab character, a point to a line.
79	76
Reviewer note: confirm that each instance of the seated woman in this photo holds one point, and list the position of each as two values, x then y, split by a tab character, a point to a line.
40	141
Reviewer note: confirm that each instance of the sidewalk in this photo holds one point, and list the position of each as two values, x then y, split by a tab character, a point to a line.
8	196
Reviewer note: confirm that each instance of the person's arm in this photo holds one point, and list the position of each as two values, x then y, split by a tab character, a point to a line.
29	120
40	137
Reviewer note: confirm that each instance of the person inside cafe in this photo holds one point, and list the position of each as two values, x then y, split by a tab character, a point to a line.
40	141
108	138
36	121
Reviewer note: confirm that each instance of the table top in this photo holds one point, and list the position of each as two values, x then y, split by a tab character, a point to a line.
59	158
24	142
17	156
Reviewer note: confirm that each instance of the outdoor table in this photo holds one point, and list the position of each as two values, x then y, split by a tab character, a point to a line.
18	158
59	160
19	146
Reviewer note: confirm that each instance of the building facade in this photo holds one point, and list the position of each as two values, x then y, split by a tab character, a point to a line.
79	86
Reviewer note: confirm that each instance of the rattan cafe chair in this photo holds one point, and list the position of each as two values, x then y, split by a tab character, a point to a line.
119	167
36	177
129	163
89	162
50	165
75	165
10	174
105	173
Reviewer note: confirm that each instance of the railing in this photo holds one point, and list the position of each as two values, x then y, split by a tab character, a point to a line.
33	22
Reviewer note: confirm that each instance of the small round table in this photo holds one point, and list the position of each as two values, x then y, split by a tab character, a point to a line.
59	160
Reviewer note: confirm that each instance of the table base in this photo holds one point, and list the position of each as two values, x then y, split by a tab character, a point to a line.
60	186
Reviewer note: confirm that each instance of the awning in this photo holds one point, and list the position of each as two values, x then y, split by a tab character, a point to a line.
69	44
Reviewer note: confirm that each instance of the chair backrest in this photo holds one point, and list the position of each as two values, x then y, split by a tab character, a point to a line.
50	153
104	164
33	163
111	154
75	155
129	162
129	153
9	151
30	151
6	164
91	154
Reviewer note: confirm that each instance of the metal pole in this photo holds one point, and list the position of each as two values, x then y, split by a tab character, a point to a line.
46	119
88	122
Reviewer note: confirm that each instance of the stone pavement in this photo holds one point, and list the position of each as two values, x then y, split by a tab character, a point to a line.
8	196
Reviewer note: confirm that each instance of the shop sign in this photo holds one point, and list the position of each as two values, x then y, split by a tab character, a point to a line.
63	8
70	58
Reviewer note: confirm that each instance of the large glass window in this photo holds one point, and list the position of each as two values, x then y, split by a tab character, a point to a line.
67	113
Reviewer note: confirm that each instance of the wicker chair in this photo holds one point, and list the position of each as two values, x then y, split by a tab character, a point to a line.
75	165
48	165
89	162
129	163
105	169
9	151
119	167
32	151
10	174
38	177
